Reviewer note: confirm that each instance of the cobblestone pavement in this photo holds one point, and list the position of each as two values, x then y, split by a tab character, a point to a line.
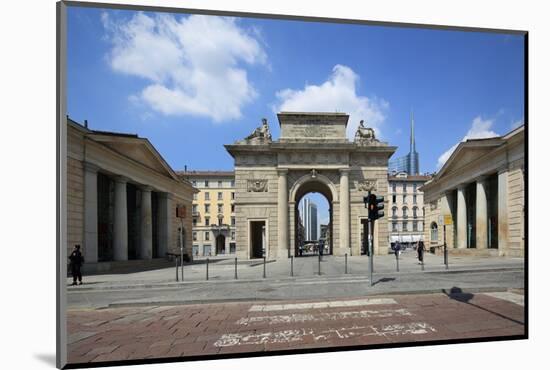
134	333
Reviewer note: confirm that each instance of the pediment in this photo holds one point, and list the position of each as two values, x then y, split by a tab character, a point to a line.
466	153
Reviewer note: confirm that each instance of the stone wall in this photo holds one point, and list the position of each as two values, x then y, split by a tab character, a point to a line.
516	215
75	191
174	246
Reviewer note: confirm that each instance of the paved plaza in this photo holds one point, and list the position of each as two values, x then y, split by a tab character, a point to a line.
167	331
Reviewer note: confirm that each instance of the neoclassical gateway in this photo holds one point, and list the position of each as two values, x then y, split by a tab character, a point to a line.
311	155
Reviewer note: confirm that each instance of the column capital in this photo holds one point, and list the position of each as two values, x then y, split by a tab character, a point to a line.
120	179
282	171
90	167
344	171
502	170
146	188
164	195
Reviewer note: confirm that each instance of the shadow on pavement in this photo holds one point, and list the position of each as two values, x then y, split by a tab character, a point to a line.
458	295
383	280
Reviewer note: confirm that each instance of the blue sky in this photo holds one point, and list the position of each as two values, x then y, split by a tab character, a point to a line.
193	83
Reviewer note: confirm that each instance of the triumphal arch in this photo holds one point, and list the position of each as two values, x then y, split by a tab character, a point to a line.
312	154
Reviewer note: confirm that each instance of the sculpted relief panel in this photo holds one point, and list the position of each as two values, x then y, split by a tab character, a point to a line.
256	185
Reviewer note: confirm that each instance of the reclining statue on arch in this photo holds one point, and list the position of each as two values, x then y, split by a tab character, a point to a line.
260	133
365	135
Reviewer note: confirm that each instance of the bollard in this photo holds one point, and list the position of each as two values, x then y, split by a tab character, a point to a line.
177	278
235	268
346	263
264	267
397	260
319	264
182	269
291	265
207	260
446	259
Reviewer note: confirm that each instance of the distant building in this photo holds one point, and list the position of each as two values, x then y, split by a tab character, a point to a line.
481	192
406	208
309	212
324	235
213	212
409	163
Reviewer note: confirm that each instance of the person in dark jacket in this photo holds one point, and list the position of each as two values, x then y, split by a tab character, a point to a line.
420	250
76	262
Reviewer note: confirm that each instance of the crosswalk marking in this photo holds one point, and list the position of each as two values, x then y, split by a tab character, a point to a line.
325	304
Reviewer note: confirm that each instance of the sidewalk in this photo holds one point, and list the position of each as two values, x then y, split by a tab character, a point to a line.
223	270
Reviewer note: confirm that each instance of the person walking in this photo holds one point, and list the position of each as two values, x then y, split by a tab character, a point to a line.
76	263
420	251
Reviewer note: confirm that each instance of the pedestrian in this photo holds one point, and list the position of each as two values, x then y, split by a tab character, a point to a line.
420	251
397	249
76	263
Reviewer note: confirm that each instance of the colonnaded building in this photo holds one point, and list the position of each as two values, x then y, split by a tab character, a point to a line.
123	199
481	190
311	155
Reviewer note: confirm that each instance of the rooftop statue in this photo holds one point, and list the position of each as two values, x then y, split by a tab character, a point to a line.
261	133
365	135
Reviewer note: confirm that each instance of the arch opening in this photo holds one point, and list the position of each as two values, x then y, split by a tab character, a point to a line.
313	219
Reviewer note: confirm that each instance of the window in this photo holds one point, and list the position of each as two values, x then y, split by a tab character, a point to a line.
194	221
220	220
405	210
220	185
414	188
232	235
415	226
404	198
394	226
232	221
405	226
194	208
194	236
394	187
207	208
194	196
404	187
220	208
414	199
433	229
207	221
415	210
194	183
207	196
232	208
207	235
220	195
394	212
206	183
394	198
233	196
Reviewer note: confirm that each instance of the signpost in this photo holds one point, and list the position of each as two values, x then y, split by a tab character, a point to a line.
448	220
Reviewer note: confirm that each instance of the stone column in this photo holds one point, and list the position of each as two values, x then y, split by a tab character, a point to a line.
282	212
146	217
344	209
503	210
120	237
164	218
461	221
90	213
481	214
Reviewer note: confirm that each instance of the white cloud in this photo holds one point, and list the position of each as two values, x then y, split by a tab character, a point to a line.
480	129
337	94
194	65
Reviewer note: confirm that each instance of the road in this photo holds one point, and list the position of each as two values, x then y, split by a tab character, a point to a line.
176	331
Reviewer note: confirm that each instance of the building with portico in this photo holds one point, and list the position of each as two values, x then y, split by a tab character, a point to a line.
481	191
124	202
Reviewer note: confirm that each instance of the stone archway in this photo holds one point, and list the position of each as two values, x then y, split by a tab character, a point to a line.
313	154
310	183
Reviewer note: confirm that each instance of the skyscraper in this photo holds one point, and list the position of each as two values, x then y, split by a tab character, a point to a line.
309	218
410	162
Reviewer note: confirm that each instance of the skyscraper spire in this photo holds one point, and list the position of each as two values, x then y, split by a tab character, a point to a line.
413	146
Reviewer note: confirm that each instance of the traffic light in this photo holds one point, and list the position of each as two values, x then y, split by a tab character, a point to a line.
375	206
